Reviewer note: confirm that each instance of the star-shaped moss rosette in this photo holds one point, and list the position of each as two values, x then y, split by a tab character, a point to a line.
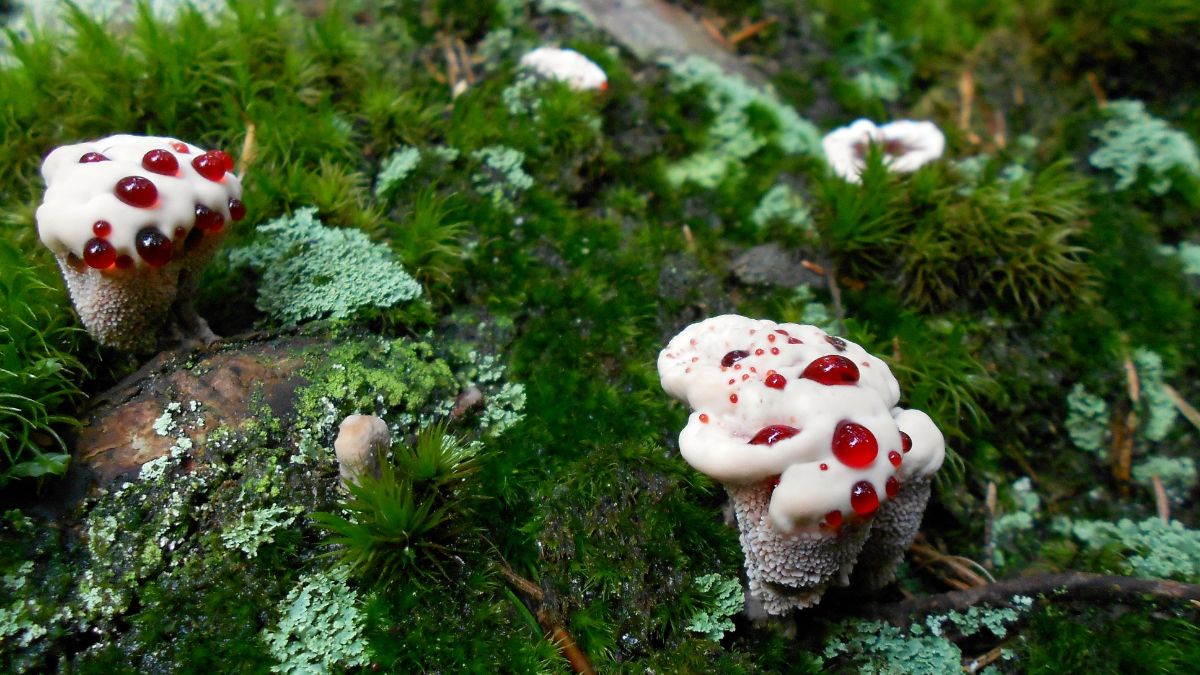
907	145
132	220
826	474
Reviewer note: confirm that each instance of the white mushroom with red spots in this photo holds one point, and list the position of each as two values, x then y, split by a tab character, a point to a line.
566	65
132	220
804	431
907	145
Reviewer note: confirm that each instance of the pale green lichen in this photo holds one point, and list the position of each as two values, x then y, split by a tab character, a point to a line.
782	204
522	96
1016	520
812	312
1087	419
878	86
396	168
877	647
1150	548
1159	411
1177	474
310	271
1133	140
320	629
17	622
257	528
165	423
732	138
502	177
714	620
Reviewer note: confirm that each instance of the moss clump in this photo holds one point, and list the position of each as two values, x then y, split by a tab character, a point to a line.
310	271
1109	642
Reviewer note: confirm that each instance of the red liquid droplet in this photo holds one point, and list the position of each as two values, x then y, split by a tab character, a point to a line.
782	331
773	434
772	483
863	499
831	370
824	466
180	231
833	519
208	220
154	248
794	341
745	377
209	166
771	337
237	210
136	191
776	381
892	487
905	442
160	161
226	160
99	254
89	157
181	148
894	458
703	418
733	357
101	228
854	445
124	262
733	398
758	352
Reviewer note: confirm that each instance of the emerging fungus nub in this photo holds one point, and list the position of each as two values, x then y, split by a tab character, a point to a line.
132	220
907	145
362	442
826	474
566	65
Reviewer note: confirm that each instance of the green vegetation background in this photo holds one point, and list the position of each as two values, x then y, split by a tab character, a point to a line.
570	235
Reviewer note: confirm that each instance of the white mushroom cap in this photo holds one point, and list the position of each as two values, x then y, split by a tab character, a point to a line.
78	195
743	377
566	65
907	145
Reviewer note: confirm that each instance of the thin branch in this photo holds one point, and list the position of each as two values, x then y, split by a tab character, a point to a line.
1184	407
549	620
1100	588
1161	503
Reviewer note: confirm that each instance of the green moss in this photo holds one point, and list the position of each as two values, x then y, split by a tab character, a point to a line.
1102	641
310	271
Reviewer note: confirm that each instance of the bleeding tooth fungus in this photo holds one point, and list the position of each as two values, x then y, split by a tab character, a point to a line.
814	466
132	220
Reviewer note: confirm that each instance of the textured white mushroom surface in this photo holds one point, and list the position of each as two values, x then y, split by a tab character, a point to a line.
80	194
566	65
907	145
803	429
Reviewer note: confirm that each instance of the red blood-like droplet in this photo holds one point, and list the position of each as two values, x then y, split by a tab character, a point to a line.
181	148
824	466
773	434
776	381
831	370
733	398
208	220
703	418
161	162
99	254
833	519
775	351
154	248
733	357
89	157
180	231
905	442
863	499
894	458
854	445
772	482
781	331
137	191
101	228
758	352
226	160
209	166
237	210
124	262
892	487
794	341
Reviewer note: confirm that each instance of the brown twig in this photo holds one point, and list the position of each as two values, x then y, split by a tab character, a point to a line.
976	665
249	150
1068	585
960	565
812	267
835	294
713	31
1097	90
1161	503
989	525
549	621
751	30
1191	414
